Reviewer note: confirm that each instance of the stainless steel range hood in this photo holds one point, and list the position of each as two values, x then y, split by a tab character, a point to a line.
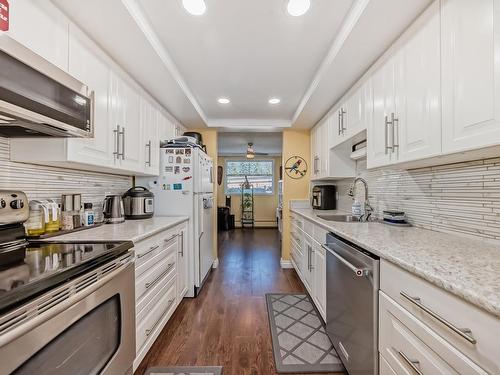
38	99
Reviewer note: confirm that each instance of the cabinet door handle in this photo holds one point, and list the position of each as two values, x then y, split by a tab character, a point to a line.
311	267
159	277
148	331
395	122
340	122
465	333
116	133
181	235
148	145
387	124
343	128
151	249
412	363
170	238
123	144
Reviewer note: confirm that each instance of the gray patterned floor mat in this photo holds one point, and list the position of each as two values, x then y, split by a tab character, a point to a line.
185	370
300	343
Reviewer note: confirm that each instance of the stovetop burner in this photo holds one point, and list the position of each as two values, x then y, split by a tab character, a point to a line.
44	265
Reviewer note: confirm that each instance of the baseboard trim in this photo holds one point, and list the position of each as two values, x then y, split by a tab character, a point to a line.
286	263
216	263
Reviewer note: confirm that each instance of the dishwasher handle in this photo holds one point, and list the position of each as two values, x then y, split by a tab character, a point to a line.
360	272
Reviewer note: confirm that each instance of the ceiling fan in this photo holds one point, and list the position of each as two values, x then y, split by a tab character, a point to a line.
251	152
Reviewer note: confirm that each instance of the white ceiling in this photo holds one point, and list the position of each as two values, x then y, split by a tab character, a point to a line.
246	50
235	143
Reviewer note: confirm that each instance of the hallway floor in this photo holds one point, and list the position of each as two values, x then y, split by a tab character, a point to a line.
227	325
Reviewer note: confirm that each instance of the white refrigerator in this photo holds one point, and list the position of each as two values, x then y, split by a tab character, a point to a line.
185	188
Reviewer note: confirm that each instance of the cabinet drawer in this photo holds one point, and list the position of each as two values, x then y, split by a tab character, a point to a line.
148	248
404	341
296	238
166	268
319	234
441	311
296	220
155	315
308	227
153	260
385	369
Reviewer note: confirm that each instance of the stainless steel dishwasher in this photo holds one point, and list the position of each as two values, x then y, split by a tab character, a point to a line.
352	283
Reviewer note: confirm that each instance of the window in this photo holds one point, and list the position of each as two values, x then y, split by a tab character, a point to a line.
260	174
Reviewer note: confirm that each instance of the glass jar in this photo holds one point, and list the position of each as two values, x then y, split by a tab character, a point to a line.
35	225
53	224
67	220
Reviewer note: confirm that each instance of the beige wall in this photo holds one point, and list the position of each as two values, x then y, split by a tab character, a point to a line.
265	206
210	140
295	142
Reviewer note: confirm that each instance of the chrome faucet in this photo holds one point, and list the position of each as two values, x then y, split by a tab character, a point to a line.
368	207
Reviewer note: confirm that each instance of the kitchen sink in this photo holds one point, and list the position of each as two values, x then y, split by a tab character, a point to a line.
340	218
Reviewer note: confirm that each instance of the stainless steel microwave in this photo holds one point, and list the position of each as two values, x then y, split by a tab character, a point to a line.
38	99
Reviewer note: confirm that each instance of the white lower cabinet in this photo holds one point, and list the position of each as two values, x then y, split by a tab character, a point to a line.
309	259
424	326
160	285
319	278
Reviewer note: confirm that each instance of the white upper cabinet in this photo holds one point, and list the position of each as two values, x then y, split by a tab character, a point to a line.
127	122
320	149
85	66
150	118
379	149
418	91
470	74
406	120
40	26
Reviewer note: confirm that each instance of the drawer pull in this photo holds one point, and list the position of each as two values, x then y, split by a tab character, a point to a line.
151	249
412	363
170	238
150	330
150	284
465	333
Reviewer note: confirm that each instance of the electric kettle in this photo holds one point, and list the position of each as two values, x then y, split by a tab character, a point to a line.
113	209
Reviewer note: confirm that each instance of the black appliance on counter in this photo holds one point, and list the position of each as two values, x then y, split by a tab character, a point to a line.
324	197
58	299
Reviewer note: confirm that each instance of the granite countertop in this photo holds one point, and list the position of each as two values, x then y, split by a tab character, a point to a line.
466	267
130	230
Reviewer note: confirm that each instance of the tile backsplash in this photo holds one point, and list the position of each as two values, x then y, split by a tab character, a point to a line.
459	198
41	182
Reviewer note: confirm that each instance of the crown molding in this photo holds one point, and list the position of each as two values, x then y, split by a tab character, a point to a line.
137	14
348	24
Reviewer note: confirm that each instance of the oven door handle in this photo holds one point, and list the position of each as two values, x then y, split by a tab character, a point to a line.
31	324
360	272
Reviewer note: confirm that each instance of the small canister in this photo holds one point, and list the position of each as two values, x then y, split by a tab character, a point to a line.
35	225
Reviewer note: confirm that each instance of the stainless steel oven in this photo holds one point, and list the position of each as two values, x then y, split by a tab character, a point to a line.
83	326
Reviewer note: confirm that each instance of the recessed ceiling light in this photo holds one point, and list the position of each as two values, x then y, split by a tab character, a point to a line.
274	101
195	7
298	7
224	101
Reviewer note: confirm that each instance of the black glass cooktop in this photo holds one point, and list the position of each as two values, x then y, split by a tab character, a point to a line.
41	266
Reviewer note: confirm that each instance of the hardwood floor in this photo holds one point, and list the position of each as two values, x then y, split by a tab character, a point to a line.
227	325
